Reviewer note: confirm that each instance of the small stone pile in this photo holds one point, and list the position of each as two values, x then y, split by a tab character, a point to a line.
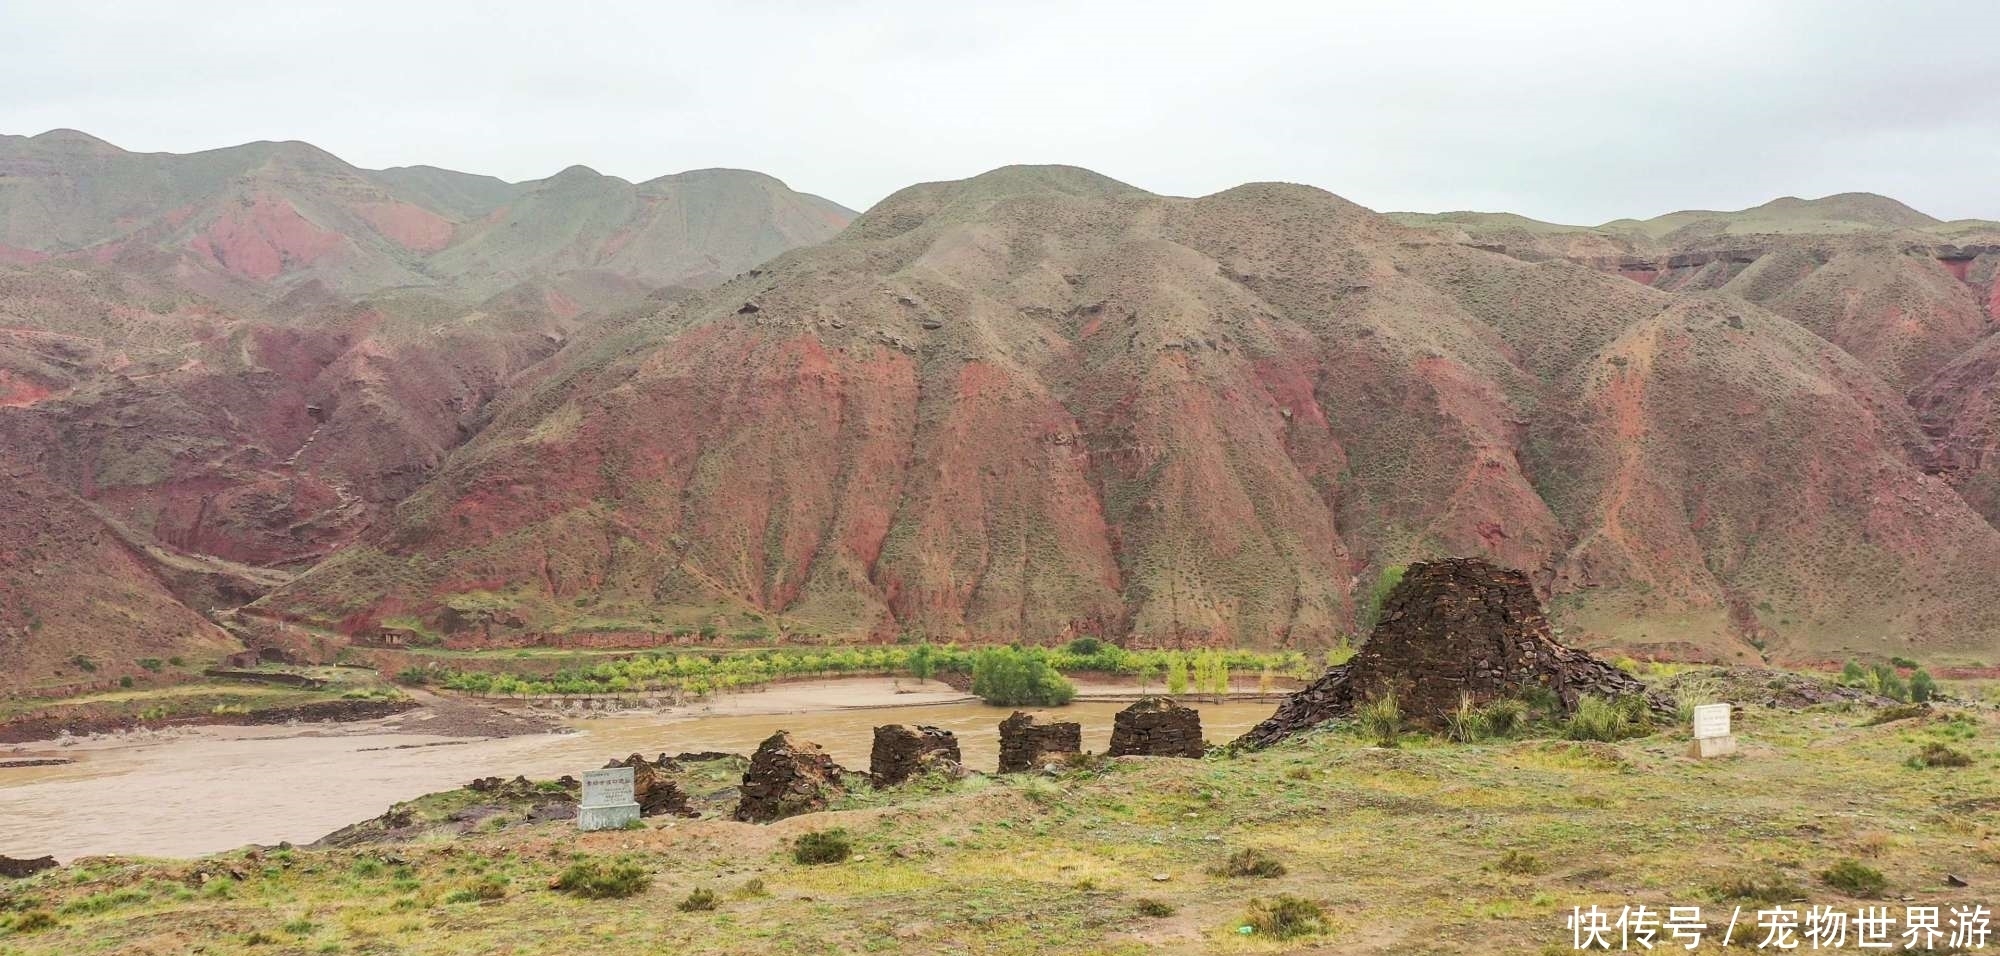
901	753
1157	727
1451	629
13	869
657	795
1026	743
787	778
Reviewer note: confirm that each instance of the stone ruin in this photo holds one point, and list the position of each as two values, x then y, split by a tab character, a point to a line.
656	794
1453	628
13	869
1025	743
901	753
787	777
1157	727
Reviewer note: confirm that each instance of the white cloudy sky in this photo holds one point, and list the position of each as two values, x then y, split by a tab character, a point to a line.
1572	112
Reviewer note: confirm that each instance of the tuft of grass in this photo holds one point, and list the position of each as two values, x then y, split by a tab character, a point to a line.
700	901
1518	863
1505	717
1468	724
34	921
1760	888
822	846
594	880
1154	909
1888	715
1935	754
1249	862
485	889
1855	879
1285	917
1381	720
303	926
1602	720
753	888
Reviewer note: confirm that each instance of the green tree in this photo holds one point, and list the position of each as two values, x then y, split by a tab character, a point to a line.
1922	686
922	662
1010	677
1177	675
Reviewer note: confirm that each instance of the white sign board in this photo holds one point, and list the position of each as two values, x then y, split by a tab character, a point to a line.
607	788
1711	720
608	803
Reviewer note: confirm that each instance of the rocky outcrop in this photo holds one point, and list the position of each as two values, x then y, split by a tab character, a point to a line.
14	869
657	795
901	752
1026	743
787	777
1453	629
1157	727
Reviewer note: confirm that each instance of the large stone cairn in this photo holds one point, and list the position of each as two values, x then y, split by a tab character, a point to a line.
787	778
1157	727
901	752
1453	628
1025	743
656	793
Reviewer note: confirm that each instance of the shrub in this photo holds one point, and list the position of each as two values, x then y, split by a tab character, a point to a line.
153	664
1855	879
1250	862
753	887
822	846
89	666
1903	662
1285	917
1935	754
699	901
1467	724
413	677
1505	717
1892	714
1922	687
303	926
125	682
1154	909
1597	719
1381	719
1518	863
1009	677
1085	646
594	880
1853	674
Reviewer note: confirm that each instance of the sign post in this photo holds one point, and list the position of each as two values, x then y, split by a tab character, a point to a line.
1711	732
608	802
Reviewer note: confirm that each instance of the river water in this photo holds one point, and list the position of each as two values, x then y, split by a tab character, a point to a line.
196	791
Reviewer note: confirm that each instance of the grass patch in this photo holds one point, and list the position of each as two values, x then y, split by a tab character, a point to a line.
1154	909
1381	720
1285	917
596	880
1855	879
1935	754
699	901
1249	862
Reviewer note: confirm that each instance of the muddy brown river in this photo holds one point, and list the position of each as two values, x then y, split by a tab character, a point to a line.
190	792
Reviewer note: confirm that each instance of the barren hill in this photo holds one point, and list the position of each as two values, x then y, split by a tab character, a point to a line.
1040	403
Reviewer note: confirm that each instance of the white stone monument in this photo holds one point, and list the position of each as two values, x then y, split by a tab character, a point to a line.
1711	732
608	803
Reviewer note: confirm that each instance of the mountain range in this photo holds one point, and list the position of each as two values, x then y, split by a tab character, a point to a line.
1031	405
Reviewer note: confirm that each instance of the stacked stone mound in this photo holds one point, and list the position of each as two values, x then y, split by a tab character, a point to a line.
1453	628
657	795
787	777
1026	743
14	869
901	752
1157	727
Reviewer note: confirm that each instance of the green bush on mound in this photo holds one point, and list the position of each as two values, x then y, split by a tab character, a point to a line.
822	846
595	880
699	901
1009	677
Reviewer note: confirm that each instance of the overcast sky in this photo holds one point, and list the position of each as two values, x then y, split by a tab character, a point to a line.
1568	112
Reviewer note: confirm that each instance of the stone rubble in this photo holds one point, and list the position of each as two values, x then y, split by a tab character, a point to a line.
787	777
